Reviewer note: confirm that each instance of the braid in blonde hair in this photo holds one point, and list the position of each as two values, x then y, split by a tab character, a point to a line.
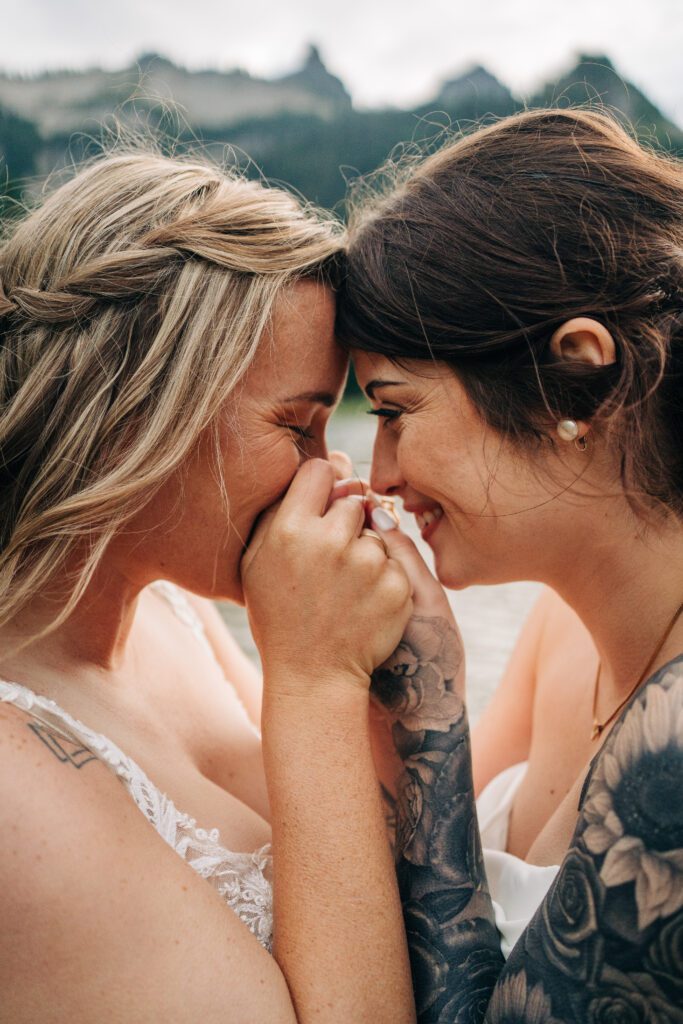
131	304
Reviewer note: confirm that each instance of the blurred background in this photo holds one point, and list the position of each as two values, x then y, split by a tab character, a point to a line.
313	95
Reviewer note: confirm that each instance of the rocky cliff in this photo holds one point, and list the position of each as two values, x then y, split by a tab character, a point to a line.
65	101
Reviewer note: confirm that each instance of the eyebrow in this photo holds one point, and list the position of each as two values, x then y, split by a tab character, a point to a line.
318	397
374	384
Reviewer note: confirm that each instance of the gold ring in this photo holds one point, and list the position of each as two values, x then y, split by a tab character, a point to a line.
389	505
366	532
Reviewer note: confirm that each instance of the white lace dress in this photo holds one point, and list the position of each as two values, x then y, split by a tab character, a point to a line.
239	878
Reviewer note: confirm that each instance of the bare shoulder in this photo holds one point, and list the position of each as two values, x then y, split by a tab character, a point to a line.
90	889
502	736
560	625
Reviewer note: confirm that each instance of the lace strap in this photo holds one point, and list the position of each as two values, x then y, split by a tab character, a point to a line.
154	804
49	713
183	610
25	700
188	616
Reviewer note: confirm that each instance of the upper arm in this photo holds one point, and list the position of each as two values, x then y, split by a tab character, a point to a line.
236	666
102	920
606	942
502	735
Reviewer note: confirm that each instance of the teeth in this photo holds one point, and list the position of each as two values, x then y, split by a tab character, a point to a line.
425	518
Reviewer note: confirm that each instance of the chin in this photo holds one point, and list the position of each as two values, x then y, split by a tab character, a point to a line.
230	589
210	583
451	581
462	576
448	576
236	596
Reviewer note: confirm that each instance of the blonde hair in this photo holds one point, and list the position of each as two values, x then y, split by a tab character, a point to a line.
131	304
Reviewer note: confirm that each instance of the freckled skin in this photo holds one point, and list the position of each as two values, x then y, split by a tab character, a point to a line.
506	516
202	545
605	942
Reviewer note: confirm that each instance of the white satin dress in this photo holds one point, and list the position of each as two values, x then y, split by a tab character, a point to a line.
517	888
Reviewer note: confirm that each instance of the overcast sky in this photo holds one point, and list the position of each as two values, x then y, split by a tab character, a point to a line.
386	51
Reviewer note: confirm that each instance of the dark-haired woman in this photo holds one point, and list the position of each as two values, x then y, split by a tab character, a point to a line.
514	311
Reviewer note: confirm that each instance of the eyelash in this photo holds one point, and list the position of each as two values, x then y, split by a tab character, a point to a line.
386	414
299	430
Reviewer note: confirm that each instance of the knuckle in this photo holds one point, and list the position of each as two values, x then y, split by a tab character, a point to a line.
367	554
287	533
397	583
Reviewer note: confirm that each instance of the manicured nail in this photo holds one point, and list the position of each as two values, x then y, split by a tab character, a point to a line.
347	480
382	520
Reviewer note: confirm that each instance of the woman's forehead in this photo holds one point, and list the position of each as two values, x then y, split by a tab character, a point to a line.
373	366
299	353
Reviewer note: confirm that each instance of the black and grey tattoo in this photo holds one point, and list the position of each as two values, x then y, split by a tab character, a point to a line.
66	750
606	944
453	943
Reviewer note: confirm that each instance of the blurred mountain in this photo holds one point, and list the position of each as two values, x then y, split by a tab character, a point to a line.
595	81
314	78
60	102
317	157
300	129
478	91
20	145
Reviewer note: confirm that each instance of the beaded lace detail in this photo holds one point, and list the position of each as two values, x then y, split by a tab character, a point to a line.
239	878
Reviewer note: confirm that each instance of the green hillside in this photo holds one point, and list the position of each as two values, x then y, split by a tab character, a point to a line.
317	155
595	80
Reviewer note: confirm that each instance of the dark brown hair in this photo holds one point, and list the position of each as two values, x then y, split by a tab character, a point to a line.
477	254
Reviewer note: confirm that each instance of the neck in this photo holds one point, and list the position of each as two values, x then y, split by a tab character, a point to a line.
627	603
93	639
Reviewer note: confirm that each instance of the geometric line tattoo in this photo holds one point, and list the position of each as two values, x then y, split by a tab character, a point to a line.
64	750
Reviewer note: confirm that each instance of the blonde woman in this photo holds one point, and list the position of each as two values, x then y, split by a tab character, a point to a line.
167	370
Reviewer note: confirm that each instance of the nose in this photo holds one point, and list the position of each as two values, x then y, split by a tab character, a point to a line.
316	449
385	475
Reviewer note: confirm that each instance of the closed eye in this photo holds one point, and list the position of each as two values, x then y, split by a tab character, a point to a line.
299	431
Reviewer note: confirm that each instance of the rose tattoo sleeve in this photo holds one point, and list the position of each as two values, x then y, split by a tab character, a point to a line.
454	946
606	944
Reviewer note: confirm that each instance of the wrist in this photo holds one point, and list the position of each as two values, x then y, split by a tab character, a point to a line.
322	706
315	683
328	730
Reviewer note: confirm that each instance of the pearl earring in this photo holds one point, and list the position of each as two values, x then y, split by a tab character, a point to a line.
568	430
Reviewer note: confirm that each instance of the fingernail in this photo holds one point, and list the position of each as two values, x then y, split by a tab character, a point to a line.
346	480
356	497
382	520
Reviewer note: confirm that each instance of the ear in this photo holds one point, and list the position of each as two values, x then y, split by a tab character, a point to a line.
583	340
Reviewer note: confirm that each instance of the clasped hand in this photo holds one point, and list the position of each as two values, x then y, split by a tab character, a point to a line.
324	602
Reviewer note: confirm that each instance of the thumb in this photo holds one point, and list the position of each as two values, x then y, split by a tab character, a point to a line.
341	463
428	594
257	536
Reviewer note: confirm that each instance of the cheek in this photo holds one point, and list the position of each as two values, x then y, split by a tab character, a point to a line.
261	474
429	465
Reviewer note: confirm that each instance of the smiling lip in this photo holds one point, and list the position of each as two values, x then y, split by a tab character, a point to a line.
427	519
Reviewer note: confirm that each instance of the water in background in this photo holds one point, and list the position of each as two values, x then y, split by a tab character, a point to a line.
489	617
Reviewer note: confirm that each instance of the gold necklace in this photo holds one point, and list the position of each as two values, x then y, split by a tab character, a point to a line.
599	726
